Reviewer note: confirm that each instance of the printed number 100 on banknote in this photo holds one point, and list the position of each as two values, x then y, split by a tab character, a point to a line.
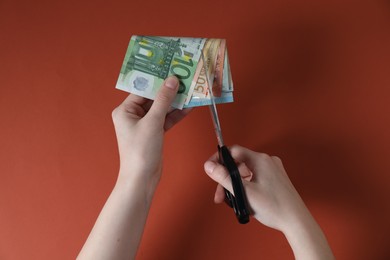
149	60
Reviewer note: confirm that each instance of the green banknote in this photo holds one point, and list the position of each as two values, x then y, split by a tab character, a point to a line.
149	60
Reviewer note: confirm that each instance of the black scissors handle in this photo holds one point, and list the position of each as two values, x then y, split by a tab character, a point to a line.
239	201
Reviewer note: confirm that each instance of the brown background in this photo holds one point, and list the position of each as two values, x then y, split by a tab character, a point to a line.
311	86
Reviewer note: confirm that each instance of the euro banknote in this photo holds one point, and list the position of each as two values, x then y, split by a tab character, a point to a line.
149	60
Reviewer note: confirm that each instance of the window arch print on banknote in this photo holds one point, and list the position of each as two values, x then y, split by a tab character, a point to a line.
152	55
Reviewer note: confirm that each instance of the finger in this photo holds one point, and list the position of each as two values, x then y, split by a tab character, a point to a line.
242	154
239	154
147	105
164	98
219	196
214	157
132	106
219	174
174	117
133	100
245	172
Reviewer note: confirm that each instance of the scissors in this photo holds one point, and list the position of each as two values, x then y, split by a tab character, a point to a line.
239	201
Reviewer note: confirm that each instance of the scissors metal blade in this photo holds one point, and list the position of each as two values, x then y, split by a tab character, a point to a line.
213	107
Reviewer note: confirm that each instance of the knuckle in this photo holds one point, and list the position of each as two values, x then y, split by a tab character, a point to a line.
235	147
263	157
276	158
114	114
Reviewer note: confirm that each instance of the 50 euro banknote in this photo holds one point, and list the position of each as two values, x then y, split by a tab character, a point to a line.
149	60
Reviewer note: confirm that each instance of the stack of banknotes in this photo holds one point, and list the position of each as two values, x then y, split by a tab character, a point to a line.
150	59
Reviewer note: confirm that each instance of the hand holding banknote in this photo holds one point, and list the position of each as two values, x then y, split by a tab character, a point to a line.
140	124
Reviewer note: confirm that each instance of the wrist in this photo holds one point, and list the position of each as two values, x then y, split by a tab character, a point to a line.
306	237
137	183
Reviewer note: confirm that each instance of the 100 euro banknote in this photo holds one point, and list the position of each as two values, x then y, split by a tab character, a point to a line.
149	60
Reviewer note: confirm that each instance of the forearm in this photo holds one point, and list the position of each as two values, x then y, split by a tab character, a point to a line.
306	238
119	227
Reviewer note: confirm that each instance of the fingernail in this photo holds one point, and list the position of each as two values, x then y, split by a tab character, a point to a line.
171	82
209	167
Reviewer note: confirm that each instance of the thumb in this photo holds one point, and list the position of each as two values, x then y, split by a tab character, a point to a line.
165	97
218	173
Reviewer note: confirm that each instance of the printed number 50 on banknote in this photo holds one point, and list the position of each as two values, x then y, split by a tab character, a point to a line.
149	60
